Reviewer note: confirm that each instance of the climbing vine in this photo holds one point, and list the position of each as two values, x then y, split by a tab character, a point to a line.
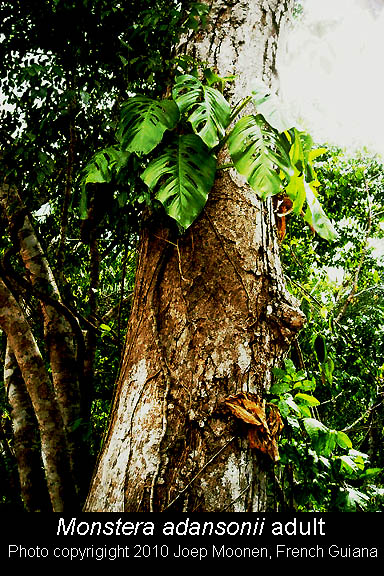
174	144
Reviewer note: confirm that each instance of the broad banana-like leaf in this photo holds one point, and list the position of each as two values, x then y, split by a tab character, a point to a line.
257	150
144	121
182	178
316	217
206	108
295	190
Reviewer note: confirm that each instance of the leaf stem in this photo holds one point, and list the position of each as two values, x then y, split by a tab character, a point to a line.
239	108
226	166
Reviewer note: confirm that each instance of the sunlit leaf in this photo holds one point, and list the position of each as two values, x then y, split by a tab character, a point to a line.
205	107
144	121
271	107
257	150
322	438
355	499
316	217
295	190
343	440
307	399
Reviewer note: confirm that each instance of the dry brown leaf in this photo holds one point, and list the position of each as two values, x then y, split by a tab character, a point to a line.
263	431
274	420
248	408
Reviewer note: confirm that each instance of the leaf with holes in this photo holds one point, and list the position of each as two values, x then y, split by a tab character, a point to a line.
102	167
257	150
182	178
205	107
144	121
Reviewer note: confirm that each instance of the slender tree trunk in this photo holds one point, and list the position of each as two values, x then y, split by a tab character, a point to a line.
63	348
210	318
26	441
54	448
91	338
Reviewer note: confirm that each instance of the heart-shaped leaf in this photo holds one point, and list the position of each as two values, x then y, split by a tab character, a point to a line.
182	178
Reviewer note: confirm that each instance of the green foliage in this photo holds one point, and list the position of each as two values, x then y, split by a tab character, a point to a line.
182	178
332	456
65	69
256	149
68	72
319	469
197	120
269	106
143	123
205	108
315	215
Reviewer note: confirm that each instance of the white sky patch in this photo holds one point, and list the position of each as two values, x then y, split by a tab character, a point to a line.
377	248
331	76
335	274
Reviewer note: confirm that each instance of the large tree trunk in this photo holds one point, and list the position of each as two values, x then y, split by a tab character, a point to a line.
211	317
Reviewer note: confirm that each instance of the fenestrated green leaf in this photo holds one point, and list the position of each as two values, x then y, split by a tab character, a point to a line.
182	178
206	108
257	150
144	121
269	105
100	170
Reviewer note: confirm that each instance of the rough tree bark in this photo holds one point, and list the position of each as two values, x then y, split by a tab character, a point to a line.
26	441
210	318
54	448
60	334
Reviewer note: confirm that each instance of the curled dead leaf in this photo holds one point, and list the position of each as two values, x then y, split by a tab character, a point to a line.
264	429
